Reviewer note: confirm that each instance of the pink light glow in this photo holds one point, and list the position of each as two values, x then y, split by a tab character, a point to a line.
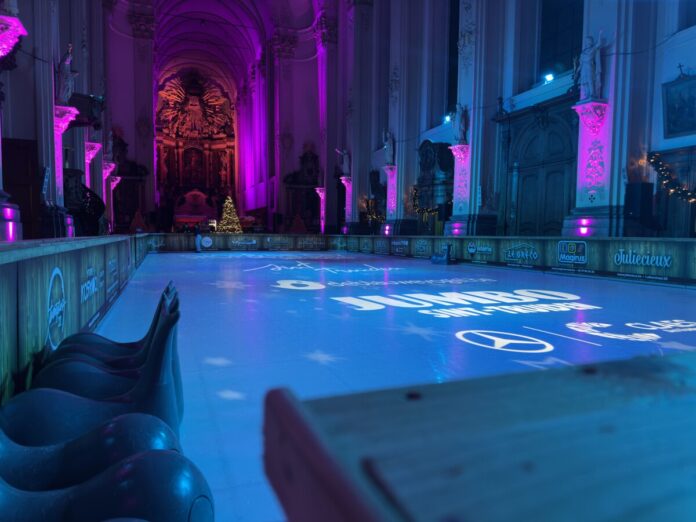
8	213
462	179
584	222
62	116
11	29
321	191
348	183
594	154
387	230
391	171
91	150
584	231
11	233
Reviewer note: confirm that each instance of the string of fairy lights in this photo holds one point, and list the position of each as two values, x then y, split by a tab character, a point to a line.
669	180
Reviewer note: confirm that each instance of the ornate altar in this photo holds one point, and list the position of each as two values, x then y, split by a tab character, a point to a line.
302	198
195	140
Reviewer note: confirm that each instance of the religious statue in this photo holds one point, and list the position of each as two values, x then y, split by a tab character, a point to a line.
66	77
388	139
591	69
462	125
345	162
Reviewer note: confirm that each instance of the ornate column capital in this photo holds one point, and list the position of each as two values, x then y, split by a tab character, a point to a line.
321	192
325	30
62	116
461	152
142	24
107	168
115	180
11	29
91	150
592	114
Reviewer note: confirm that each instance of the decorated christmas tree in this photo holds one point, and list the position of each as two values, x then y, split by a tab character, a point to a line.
229	222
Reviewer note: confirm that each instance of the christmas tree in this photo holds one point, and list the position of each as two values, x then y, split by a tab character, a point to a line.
229	222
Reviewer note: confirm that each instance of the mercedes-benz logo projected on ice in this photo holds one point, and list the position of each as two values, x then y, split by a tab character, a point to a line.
56	309
504	341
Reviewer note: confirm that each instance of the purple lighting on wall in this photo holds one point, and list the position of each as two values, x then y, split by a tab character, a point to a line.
321	191
594	154
462	179
62	116
91	150
392	178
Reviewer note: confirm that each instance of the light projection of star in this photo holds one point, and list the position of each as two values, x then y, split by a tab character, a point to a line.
322	357
427	334
229	285
217	361
231	395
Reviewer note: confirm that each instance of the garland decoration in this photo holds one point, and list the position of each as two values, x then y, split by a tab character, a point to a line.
669	180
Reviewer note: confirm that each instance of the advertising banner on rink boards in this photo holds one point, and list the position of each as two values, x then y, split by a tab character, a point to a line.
366	245
479	249
92	285
657	260
522	252
422	247
48	302
8	327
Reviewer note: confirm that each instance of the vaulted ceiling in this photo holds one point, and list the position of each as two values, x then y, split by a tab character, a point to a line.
221	38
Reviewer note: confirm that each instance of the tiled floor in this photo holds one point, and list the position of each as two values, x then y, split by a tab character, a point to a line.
255	321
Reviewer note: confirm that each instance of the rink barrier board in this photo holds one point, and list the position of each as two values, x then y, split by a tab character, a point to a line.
666	260
50	289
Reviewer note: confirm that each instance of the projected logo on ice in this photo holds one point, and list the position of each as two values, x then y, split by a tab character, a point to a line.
299	265
56	309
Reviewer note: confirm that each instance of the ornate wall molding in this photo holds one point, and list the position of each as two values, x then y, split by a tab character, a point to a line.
592	116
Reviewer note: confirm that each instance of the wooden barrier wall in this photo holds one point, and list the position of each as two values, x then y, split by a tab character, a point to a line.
667	260
53	288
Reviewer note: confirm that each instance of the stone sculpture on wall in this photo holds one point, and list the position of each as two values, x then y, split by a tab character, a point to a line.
462	125
591	69
66	77
345	162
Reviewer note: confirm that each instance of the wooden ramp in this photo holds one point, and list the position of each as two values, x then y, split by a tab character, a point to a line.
607	442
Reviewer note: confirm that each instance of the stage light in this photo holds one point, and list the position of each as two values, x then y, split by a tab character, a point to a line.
448	118
548	77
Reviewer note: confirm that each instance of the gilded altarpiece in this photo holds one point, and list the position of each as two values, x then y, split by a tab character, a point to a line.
195	142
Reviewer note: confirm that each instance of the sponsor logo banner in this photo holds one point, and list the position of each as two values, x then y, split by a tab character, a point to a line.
521	253
574	252
56	309
632	258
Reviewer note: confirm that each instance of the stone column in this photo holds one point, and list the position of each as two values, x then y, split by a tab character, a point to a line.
348	183
321	192
326	37
392	173
11	29
592	198
107	168
458	224
91	150
62	116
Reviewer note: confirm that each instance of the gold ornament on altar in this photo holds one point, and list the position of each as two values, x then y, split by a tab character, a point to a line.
194	107
229	223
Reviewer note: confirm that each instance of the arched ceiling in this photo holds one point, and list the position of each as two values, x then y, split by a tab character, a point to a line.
221	38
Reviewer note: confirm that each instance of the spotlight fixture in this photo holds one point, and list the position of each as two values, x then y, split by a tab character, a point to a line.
448	118
548	77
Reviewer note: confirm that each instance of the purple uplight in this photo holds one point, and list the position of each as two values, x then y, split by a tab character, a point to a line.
391	171
584	231
387	230
321	192
9	213
11	234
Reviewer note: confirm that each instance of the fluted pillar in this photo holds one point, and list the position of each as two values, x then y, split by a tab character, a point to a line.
107	168
91	150
348	184
458	224
321	192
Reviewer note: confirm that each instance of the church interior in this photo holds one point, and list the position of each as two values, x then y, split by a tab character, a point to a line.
347	260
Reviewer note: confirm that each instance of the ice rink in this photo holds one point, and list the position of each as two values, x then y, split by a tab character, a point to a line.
330	323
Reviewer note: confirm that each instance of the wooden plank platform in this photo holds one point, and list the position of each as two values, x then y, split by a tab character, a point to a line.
611	441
